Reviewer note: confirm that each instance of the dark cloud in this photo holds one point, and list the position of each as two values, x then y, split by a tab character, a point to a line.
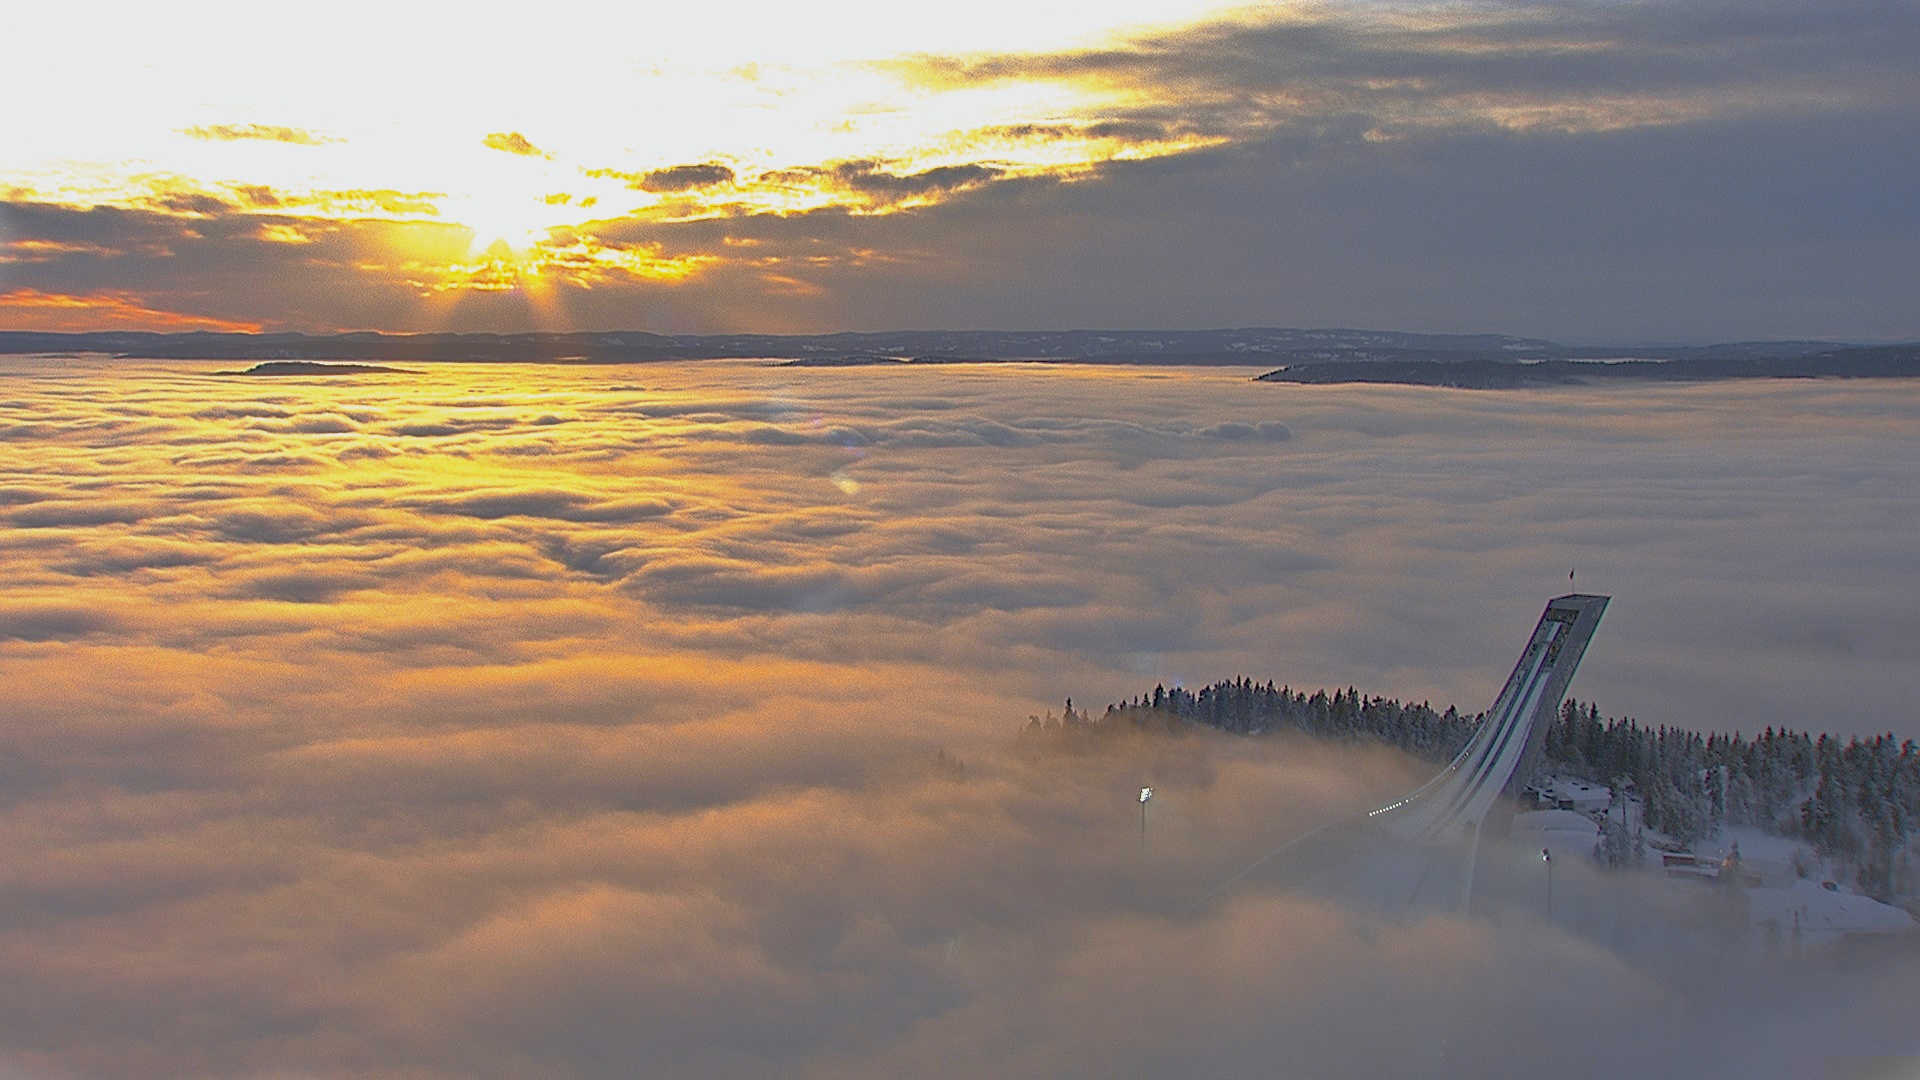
1130	131
16	496
195	204
707	582
124	554
1592	236
259	196
52	622
319	425
873	178
276	521
1574	66
61	514
684	177
451	425
214	267
230	412
558	505
298	587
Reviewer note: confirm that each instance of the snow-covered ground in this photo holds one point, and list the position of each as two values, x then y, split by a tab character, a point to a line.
1811	914
1777	861
1566	833
1558	790
1789	898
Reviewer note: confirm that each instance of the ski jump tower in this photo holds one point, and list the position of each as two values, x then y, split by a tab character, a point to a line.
1419	851
1502	753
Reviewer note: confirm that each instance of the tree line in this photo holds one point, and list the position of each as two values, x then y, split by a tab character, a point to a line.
1857	803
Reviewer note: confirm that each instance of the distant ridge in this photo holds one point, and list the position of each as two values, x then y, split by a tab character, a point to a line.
1329	354
1250	347
1873	362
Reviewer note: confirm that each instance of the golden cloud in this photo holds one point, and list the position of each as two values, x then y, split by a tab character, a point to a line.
512	142
261	132
489	721
31	309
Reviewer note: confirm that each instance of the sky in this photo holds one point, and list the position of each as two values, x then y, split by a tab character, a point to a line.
1583	171
573	722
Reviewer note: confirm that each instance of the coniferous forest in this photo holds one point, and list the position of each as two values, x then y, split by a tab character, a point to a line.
1856	803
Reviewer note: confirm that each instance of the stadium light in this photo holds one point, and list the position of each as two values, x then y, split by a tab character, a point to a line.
1546	856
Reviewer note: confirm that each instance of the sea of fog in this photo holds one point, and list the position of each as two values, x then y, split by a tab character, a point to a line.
578	722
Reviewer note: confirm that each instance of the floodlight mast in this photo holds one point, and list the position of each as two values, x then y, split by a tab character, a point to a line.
1546	856
1146	796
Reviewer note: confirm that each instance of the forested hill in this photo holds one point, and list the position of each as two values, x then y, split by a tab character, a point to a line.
1856	802
1245	707
1494	373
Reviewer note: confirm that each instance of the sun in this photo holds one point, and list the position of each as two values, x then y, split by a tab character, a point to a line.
510	203
516	221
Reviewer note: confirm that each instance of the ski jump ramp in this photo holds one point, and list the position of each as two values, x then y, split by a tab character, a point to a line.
1419	851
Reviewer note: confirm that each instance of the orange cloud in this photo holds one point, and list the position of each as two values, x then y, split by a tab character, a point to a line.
263	132
513	142
31	309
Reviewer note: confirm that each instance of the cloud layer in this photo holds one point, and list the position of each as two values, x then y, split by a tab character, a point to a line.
579	722
1581	170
